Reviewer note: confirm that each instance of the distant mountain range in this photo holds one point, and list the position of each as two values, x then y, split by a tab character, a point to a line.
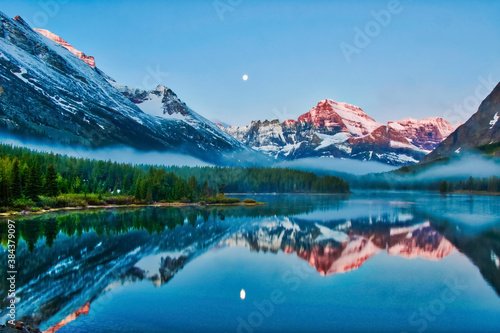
341	130
52	91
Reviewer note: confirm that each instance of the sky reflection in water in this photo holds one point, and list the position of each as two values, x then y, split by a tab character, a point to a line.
385	261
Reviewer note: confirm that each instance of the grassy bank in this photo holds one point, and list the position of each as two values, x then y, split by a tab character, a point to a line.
94	201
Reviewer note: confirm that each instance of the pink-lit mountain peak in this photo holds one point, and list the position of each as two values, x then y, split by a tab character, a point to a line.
89	60
346	117
444	126
425	134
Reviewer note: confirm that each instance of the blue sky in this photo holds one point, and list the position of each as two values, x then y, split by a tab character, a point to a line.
425	60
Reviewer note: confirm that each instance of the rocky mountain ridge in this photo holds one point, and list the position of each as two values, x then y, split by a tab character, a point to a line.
89	60
51	93
341	130
481	132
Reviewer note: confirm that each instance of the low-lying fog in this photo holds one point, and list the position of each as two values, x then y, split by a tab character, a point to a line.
467	165
118	154
336	165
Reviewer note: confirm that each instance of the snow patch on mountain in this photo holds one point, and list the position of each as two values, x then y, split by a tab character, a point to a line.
397	144
354	118
495	259
290	148
328	140
397	159
494	120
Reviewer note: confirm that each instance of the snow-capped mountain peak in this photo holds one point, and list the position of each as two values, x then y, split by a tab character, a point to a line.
424	134
346	117
163	103
342	130
89	60
50	93
160	102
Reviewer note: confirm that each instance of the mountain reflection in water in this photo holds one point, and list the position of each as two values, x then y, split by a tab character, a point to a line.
347	246
70	260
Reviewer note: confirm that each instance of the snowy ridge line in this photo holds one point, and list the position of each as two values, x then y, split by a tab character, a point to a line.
341	130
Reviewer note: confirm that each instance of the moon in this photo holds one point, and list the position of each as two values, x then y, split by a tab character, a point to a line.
243	294
245	77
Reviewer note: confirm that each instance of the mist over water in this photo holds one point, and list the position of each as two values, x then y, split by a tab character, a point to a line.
122	154
339	165
461	167
470	165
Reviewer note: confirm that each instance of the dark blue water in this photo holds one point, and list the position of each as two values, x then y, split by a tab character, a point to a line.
374	262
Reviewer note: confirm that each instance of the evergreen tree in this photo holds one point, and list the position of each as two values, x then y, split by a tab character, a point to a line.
50	231
469	184
493	184
77	185
179	189
15	181
4	187
25	175
34	185
207	192
443	188
21	176
192	188
51	186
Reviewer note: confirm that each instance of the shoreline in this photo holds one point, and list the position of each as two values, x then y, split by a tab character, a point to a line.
485	193
103	207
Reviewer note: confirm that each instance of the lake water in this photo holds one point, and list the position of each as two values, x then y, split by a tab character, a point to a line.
367	262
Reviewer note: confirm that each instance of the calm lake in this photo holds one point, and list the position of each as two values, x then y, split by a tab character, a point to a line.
375	261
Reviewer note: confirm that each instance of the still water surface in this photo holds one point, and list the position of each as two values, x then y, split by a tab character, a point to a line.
373	261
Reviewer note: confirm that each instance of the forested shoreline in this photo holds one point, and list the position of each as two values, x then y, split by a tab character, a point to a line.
36	179
473	185
403	182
